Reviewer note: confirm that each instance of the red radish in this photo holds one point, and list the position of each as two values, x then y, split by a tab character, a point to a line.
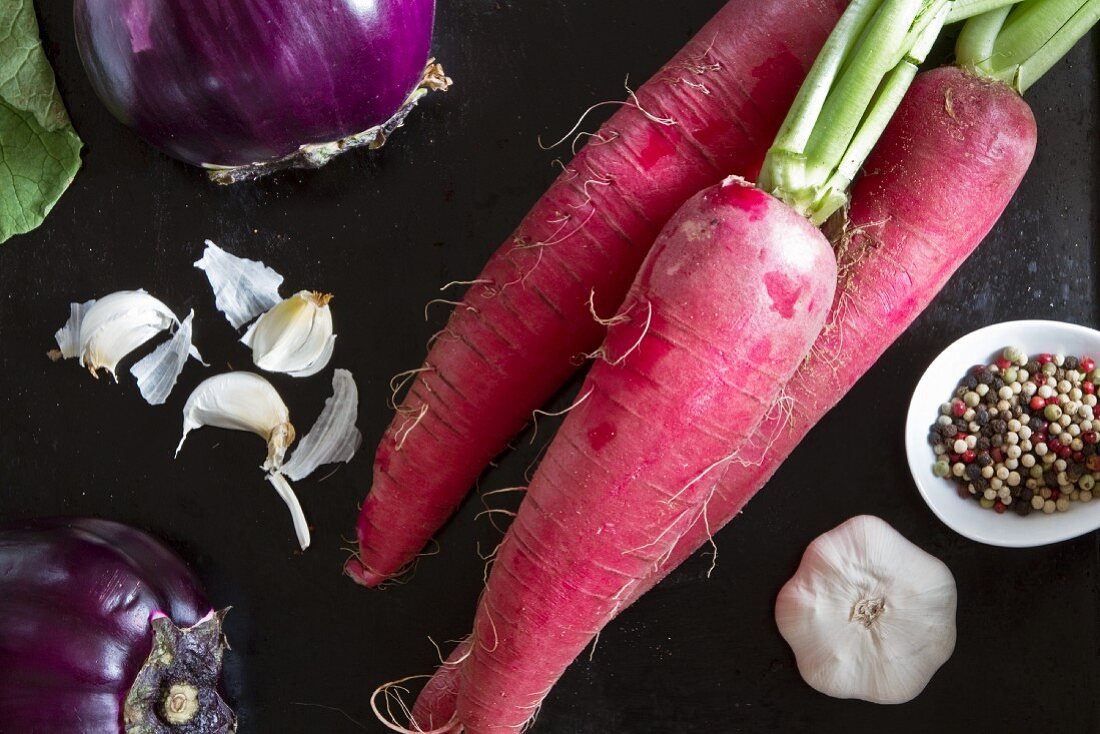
435	706
911	225
522	326
731	296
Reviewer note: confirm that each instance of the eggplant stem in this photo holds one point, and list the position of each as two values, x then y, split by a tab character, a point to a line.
315	155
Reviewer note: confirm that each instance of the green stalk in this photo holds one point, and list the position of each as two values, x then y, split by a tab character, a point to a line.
852	91
977	38
786	154
966	9
885	104
847	103
1019	46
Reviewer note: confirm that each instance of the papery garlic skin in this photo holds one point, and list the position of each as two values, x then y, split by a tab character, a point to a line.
333	437
241	401
295	336
157	372
868	614
243	288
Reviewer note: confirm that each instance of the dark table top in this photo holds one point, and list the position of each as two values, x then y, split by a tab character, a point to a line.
383	231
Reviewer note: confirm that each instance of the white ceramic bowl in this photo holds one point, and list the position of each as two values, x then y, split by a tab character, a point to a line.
937	385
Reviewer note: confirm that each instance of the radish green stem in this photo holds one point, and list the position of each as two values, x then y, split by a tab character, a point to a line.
978	36
1019	46
966	9
886	102
804	112
852	90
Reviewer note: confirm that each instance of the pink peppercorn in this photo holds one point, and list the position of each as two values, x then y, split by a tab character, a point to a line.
968	456
1044	358
958	408
1088	364
999	508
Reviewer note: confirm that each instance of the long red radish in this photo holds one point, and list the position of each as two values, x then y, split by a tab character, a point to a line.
731	296
940	176
523	324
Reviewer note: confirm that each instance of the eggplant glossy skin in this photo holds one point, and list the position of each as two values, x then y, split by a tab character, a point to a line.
76	596
234	82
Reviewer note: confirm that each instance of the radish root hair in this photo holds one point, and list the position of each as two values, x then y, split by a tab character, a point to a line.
401	379
853	245
597	179
564	170
617	319
676	521
710	537
455	304
491	512
601	353
453	283
538	411
595	139
391	693
529	472
410	422
631	101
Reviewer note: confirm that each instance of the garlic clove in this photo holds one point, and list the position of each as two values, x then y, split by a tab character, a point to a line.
295	336
868	614
244	401
243	288
103	332
157	372
333	437
241	401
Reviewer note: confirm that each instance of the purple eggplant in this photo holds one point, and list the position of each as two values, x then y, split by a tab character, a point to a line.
251	87
102	630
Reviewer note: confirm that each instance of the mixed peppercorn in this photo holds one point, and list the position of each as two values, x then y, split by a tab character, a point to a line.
1022	433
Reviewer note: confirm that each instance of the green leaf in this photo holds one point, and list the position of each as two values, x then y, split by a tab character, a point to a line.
39	151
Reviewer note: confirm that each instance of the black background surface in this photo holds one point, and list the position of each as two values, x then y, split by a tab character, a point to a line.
383	231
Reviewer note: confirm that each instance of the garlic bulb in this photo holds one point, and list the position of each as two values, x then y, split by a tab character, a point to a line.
868	614
295	336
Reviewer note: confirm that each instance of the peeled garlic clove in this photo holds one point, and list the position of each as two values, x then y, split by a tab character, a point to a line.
333	437
868	614
243	288
241	401
295	336
102	332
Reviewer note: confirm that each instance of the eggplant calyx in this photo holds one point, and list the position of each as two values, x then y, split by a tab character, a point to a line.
176	690
315	155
